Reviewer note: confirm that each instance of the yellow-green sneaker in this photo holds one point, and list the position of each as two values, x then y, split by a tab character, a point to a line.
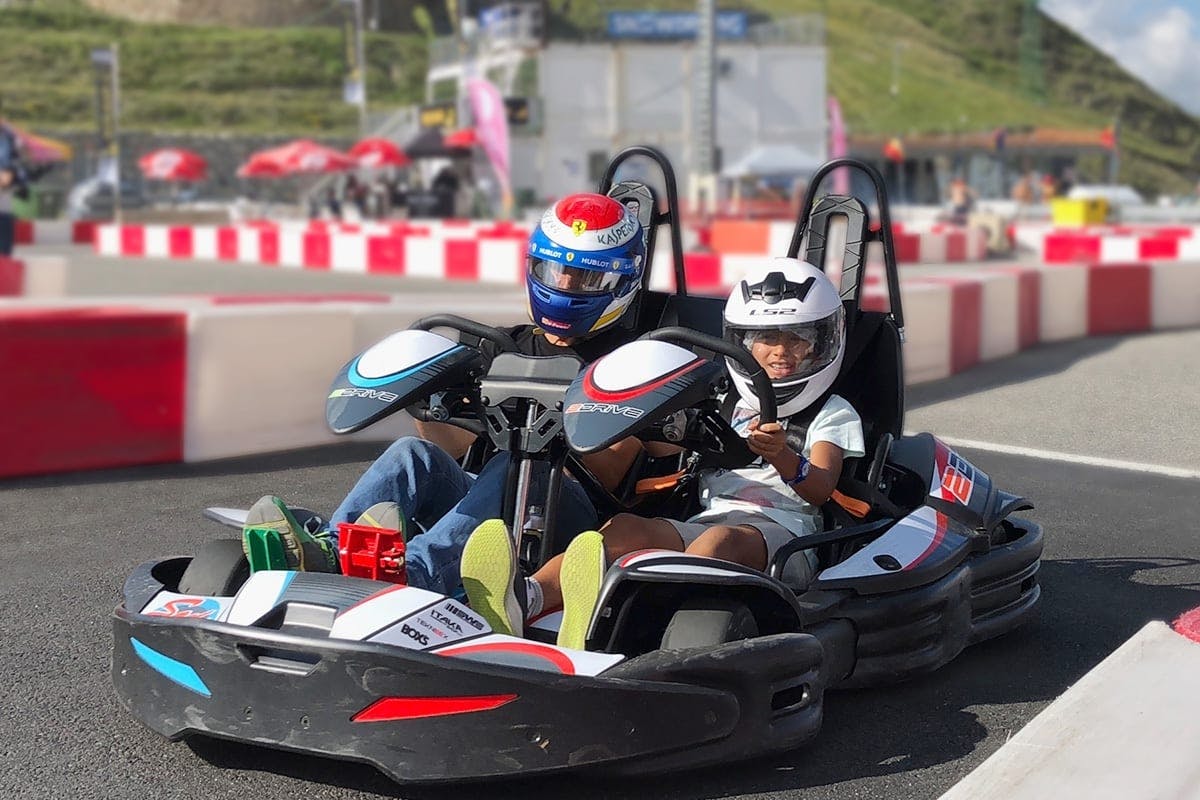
582	575
489	568
273	539
384	515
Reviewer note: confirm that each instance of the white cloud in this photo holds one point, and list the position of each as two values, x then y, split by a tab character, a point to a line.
1157	41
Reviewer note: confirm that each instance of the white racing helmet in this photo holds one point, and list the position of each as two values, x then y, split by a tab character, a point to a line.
789	316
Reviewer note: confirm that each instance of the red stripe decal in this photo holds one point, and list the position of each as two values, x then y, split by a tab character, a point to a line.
387	709
596	393
938	535
627	559
371	597
559	659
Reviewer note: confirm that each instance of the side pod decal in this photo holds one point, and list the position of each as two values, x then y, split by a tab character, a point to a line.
170	668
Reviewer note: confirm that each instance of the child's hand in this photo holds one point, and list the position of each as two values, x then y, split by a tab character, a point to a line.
767	439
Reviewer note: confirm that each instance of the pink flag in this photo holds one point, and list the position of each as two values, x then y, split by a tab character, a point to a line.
837	146
491	126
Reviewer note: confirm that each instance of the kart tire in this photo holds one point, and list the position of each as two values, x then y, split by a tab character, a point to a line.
218	570
709	622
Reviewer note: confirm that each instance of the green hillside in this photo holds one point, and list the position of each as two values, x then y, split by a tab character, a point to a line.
190	78
955	66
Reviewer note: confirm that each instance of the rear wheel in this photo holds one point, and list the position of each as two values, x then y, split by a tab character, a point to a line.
708	622
218	570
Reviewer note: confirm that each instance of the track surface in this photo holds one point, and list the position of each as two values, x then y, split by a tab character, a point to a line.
1121	550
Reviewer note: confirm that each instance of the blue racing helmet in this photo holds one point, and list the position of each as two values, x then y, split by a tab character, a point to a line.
585	265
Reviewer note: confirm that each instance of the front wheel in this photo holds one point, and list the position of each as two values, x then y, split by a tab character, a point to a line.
709	622
218	570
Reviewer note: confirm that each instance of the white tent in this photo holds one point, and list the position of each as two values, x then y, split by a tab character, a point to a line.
773	159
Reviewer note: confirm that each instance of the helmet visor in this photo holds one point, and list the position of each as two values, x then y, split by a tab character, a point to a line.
791	352
576	280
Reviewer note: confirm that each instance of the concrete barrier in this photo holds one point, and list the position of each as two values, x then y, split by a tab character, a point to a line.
257	367
1126	729
101	387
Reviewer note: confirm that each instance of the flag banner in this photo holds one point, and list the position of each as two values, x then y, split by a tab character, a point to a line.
491	128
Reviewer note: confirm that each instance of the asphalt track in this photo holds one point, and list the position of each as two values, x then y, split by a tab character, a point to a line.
1122	549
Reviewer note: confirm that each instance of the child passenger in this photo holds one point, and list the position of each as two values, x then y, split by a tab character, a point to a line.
791	320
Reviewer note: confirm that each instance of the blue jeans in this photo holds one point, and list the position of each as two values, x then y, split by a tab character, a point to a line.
431	488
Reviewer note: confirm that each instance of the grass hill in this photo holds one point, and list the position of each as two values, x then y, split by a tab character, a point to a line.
192	78
955	64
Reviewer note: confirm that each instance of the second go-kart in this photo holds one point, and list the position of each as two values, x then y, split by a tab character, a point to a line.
688	661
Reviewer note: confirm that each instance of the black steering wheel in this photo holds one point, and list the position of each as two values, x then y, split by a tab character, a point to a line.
694	339
502	340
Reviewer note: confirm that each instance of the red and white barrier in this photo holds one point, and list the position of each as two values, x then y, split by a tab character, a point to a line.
1110	244
203	377
193	378
935	244
109	388
40	231
470	252
492	252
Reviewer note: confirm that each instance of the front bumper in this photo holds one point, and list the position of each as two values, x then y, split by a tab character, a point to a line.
671	711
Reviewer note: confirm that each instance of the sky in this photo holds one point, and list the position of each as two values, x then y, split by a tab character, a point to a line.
1156	40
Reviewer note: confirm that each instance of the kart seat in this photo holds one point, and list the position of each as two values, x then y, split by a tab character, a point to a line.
699	313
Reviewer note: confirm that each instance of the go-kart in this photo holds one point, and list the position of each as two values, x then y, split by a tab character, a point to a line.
688	661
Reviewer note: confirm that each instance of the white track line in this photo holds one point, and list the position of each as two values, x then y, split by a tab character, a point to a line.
1091	461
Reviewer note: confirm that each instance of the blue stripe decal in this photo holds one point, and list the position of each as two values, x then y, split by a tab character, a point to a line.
171	669
283	589
358	380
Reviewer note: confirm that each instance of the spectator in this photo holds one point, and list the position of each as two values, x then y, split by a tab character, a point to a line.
380	202
399	194
10	170
1067	181
355	194
1022	192
332	203
1049	188
446	185
962	200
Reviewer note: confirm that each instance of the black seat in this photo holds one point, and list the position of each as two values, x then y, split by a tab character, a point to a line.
699	313
872	376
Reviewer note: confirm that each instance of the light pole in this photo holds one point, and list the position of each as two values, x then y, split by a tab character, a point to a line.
109	59
116	129
359	75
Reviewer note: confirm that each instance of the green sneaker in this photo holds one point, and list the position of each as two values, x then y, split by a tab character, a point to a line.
582	575
273	539
384	515
489	567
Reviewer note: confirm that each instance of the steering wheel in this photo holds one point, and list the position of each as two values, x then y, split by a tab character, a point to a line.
502	340
875	473
687	337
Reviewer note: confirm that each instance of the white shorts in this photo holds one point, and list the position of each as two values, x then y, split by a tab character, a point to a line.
774	535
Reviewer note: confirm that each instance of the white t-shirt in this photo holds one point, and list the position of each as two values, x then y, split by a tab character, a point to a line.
759	489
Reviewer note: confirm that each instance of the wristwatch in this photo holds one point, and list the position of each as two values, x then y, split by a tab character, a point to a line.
801	472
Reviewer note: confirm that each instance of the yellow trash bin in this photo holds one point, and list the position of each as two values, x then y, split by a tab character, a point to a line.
1093	211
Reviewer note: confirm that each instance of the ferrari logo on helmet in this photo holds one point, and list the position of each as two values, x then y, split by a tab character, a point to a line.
579	226
570	256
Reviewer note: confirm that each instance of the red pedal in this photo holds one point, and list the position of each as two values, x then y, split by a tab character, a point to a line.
370	552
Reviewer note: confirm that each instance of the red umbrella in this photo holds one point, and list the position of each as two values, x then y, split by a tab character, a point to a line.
301	157
173	164
463	137
379	152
